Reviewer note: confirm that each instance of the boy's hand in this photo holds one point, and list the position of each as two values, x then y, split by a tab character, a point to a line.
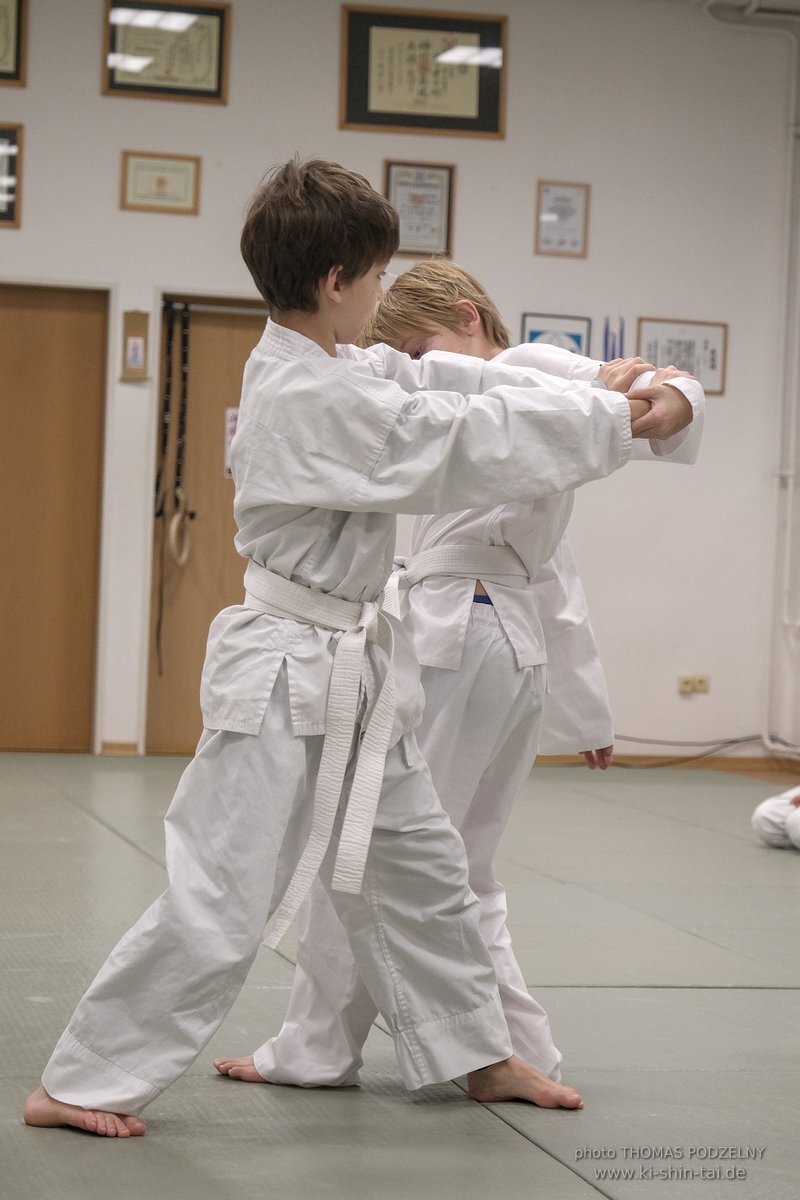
601	758
619	373
670	411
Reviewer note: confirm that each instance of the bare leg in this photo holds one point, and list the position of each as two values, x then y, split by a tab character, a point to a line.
513	1079
239	1068
43	1111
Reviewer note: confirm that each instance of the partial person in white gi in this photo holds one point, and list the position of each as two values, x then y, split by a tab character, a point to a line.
488	597
776	820
307	763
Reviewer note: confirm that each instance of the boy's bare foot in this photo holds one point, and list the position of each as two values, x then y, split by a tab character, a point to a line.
239	1068
513	1079
43	1110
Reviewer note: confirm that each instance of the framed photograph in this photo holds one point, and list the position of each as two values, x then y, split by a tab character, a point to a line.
13	41
562	218
417	71
699	347
422	193
570	333
167	51
167	183
10	176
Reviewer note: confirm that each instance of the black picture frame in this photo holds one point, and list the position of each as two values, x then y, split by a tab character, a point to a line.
438	98
196	70
11	173
13	50
558	329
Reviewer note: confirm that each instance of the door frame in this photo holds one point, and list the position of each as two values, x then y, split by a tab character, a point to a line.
220	301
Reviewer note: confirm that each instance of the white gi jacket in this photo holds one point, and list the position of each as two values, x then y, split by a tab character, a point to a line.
328	450
548	620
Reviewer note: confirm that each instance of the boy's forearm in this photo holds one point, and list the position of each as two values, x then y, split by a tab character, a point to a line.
639	409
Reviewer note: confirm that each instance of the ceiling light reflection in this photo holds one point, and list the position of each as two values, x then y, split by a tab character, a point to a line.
472	56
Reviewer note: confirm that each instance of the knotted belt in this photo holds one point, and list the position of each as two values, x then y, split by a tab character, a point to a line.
359	623
492	564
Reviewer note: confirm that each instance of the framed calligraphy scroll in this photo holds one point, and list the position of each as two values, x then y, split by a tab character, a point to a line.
167	51
699	347
13	31
416	71
422	193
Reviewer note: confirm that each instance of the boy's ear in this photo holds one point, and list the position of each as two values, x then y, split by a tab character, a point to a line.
331	284
468	317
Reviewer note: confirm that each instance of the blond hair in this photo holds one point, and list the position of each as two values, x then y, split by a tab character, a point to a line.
427	296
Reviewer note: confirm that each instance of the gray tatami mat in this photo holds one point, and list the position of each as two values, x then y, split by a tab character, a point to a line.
660	937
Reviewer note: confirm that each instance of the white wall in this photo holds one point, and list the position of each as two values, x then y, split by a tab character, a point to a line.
680	126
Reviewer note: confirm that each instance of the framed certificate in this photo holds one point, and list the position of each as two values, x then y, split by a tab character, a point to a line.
13	39
570	333
167	183
10	176
417	71
562	218
699	347
422	193
167	51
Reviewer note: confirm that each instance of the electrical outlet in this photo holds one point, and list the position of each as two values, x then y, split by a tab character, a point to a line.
693	685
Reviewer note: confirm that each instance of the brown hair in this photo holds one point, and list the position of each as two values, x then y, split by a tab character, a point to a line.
307	218
427	296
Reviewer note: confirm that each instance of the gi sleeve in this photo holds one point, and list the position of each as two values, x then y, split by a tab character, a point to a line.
682	447
455	433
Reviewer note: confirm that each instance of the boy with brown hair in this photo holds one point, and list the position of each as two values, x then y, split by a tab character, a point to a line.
496	613
307	764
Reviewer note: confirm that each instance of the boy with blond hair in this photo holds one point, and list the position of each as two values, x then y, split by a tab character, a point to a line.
495	609
307	764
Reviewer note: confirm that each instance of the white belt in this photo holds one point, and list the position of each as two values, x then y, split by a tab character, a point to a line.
360	623
493	564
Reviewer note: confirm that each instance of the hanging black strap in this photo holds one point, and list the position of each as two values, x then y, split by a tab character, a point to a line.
178	531
180	448
166	405
173	531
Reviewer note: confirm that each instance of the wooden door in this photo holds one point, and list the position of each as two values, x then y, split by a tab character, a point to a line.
52	394
185	599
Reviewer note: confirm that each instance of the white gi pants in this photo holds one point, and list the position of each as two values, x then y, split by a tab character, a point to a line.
776	820
234	832
479	735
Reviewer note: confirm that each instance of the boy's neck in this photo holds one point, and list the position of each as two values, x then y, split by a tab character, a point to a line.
310	325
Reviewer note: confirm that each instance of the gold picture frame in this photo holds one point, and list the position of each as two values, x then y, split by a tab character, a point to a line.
562	218
699	347
417	71
10	176
13	42
165	183
422	194
182	56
